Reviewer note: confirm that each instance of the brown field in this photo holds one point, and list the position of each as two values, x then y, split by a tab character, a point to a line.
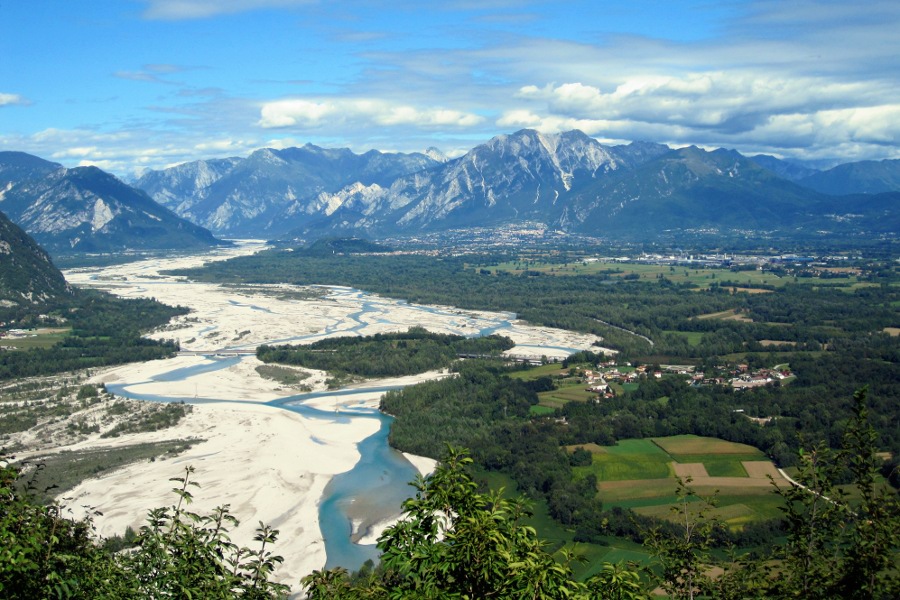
776	343
592	448
641	489
739	290
691	444
695	470
717	483
633	489
850	270
895	331
760	469
727	315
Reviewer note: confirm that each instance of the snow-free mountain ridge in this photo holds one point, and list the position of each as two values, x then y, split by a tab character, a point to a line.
569	181
85	209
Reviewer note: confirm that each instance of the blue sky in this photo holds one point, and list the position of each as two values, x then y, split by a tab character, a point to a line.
135	84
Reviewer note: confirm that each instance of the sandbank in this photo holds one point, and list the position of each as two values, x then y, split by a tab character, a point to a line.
269	464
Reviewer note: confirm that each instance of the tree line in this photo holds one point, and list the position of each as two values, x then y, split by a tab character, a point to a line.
105	331
384	354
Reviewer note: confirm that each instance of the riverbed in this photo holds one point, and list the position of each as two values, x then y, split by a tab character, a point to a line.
314	465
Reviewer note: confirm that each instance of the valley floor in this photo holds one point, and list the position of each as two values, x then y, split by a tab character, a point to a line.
270	464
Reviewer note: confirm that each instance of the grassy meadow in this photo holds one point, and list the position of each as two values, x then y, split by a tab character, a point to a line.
45	337
640	474
742	281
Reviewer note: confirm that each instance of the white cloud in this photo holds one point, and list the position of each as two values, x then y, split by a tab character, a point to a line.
311	114
123	153
218	146
175	10
76	152
729	102
10	99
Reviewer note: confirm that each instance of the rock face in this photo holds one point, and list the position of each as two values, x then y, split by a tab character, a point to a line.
28	278
87	210
273	191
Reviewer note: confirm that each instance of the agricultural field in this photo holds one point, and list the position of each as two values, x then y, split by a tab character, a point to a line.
44	337
727	315
564	394
741	281
531	373
692	337
640	474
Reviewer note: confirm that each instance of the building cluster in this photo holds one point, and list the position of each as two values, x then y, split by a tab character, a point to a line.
743	378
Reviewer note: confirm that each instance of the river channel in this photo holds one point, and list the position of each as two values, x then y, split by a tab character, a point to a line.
227	321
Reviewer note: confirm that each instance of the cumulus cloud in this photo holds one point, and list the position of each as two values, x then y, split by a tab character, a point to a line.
799	116
176	10
10	99
311	114
728	102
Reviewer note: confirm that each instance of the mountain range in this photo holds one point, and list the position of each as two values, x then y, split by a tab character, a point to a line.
271	191
569	181
85	209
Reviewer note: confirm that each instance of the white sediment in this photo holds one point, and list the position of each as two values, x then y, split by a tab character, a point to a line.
269	464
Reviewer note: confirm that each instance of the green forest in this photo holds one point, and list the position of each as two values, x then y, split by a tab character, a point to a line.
836	334
456	541
102	330
384	354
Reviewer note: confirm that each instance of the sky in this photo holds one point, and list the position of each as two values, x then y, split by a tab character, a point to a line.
128	85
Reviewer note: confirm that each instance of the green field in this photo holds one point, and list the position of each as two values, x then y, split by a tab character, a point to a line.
697	445
719	466
641	475
693	337
39	338
701	277
629	460
562	396
548	370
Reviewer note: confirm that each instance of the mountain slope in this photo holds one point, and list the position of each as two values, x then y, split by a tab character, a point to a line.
568	181
690	188
19	166
783	168
572	182
87	210
27	276
179	188
522	176
865	177
273	191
